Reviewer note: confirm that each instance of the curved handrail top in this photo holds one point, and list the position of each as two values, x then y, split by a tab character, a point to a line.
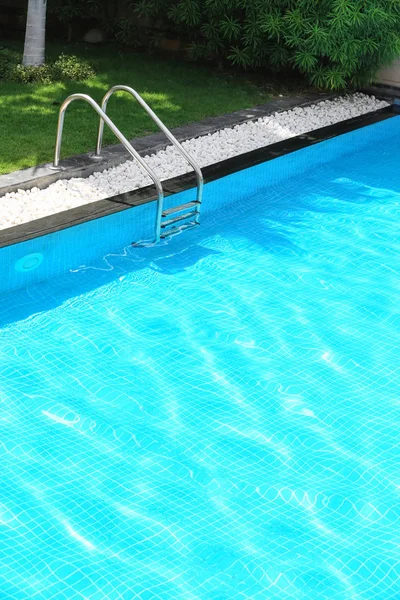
104	119
156	119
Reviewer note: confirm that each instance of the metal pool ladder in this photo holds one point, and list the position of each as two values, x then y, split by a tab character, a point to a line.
168	221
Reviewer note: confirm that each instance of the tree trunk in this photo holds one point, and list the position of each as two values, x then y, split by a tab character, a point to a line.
35	33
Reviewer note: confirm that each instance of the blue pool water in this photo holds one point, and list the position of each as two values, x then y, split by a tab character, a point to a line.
216	418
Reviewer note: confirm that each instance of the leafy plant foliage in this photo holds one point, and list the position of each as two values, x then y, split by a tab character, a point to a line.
334	43
65	68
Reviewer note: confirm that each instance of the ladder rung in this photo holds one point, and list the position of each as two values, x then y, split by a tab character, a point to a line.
174	209
174	230
179	218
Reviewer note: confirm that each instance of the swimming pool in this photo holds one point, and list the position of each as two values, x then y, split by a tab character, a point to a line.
215	417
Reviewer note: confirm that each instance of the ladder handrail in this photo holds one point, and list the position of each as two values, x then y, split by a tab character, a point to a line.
105	119
164	129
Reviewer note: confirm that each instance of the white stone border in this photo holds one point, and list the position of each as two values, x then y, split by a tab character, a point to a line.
24	206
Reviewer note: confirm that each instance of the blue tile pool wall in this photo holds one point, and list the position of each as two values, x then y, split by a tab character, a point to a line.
70	248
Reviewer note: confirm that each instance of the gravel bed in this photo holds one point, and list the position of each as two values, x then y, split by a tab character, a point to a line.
23	206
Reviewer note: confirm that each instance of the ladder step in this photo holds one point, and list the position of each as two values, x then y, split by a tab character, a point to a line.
188	215
174	209
175	230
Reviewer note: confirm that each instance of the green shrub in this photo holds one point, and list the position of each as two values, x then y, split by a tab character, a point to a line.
65	68
72	68
21	74
334	43
8	59
126	33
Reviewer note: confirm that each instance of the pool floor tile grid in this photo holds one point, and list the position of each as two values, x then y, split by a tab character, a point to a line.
215	418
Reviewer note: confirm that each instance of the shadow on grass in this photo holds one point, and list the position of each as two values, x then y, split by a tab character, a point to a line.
180	93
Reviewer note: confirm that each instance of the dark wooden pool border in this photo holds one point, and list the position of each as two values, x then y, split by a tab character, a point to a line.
102	208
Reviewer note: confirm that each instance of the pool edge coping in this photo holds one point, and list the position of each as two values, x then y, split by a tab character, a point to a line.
101	208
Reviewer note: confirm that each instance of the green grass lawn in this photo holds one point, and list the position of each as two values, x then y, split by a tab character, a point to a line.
179	92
